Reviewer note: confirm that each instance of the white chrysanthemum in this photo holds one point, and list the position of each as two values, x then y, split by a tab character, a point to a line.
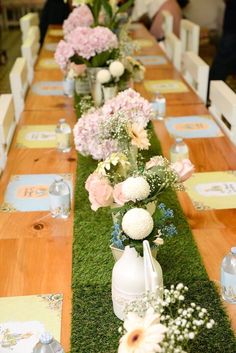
103	76
135	188
116	68
137	223
142	334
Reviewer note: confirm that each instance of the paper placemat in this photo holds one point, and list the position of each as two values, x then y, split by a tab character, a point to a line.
29	192
23	319
50	46
213	190
195	126
165	86
56	32
36	136
48	63
143	43
48	88
151	60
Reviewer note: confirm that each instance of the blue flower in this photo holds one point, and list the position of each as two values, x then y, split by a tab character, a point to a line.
170	230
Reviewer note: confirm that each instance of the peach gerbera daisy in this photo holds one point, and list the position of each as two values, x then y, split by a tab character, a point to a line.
139	136
143	334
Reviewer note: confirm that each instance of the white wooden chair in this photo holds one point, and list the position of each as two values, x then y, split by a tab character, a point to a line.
29	51
172	46
167	22
30	19
189	36
7	123
19	85
3	159
196	73
34	32
223	107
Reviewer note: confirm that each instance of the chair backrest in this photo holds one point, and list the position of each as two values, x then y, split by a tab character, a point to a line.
29	51
189	36
34	32
167	22
19	85
223	107
173	49
31	19
3	158
196	73
7	121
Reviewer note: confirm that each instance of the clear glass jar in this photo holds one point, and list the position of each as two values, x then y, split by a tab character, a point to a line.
59	198
179	150
228	277
48	344
63	136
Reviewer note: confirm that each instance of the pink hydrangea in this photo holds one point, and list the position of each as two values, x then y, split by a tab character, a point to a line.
63	53
81	16
87	137
87	42
100	191
137	108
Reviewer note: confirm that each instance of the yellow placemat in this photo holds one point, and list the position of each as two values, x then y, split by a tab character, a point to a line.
36	136
24	318
56	32
214	190
47	64
143	43
165	86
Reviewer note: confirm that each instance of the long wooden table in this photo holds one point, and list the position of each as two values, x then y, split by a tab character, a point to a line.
35	249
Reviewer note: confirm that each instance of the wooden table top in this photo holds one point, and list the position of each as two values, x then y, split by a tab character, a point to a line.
39	248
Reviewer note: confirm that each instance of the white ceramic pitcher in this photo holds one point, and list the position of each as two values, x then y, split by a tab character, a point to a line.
134	275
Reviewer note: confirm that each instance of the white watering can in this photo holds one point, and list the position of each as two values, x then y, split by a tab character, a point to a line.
133	276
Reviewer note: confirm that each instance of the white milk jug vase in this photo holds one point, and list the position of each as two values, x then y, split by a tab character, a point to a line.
133	276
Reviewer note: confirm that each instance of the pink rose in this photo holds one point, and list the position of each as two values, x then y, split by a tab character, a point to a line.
100	191
154	162
184	169
118	195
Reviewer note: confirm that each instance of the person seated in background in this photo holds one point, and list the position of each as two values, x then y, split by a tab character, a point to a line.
224	62
54	13
153	10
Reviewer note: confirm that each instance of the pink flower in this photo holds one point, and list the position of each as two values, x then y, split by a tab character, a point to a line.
100	191
118	195
184	169
88	42
81	16
155	162
63	53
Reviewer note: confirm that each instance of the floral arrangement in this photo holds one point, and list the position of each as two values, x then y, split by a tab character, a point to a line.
135	69
163	323
81	16
105	12
111	76
118	125
132	194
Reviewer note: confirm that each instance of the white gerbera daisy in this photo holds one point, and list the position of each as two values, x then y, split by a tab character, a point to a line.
143	334
135	188
103	76
137	223
116	68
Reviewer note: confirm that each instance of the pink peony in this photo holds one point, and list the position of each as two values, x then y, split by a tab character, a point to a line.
100	191
63	53
88	42
118	195
81	16
184	169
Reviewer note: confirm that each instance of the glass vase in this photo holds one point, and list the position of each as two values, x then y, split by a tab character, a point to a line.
109	92
95	86
82	85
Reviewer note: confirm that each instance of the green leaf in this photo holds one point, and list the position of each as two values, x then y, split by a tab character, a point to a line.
78	60
107	7
125	6
96	8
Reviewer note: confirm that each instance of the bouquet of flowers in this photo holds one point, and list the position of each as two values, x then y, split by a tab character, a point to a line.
117	126
164	323
132	194
81	16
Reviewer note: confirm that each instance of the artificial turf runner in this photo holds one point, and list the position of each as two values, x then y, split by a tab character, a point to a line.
94	326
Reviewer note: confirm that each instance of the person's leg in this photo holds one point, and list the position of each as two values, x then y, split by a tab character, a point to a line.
224	62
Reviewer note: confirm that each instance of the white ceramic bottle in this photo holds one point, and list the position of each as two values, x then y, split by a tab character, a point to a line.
131	278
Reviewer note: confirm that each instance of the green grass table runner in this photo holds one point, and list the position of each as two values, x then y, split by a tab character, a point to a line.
94	326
